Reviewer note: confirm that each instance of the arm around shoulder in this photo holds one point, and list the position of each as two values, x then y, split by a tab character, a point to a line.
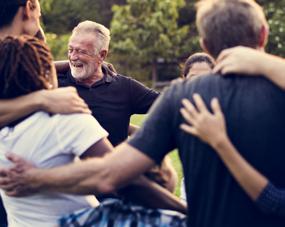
13	109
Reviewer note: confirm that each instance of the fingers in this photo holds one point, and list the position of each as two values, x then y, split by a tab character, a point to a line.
3	172
18	191
7	182
216	106
218	68
224	54
81	107
200	103
190	108
188	129
15	158
81	110
187	116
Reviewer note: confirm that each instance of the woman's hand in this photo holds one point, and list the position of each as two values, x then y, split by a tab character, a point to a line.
209	127
241	60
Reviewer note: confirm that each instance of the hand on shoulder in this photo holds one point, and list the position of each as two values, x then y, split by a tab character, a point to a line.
241	60
62	100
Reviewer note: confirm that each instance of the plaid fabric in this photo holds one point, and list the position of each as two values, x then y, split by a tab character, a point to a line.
117	213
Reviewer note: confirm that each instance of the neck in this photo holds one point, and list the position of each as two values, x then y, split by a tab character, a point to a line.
98	75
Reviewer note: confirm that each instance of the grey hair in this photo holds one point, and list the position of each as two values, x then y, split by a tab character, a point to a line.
101	33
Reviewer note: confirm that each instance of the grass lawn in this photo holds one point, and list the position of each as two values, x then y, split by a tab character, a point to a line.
138	120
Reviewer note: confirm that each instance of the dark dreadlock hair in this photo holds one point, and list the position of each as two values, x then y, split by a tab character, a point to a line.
25	66
9	9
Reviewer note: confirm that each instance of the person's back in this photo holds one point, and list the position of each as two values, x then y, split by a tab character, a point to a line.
254	109
47	141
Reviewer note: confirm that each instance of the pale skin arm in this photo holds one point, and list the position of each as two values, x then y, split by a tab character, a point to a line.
211	129
60	100
244	60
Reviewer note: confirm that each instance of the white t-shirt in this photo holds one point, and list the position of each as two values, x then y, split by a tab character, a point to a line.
47	141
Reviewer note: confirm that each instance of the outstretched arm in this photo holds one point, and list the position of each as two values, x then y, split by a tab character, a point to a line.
95	176
211	129
244	60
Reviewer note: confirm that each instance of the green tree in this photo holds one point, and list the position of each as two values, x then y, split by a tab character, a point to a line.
275	13
61	16
144	31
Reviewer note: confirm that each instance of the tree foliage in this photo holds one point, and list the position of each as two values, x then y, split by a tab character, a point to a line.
60	16
275	12
144	30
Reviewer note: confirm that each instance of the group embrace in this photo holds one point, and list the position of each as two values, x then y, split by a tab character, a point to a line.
225	117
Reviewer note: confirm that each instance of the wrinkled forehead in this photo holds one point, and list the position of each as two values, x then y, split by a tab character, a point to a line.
83	40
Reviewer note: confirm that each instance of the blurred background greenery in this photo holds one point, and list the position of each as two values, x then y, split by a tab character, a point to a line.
150	38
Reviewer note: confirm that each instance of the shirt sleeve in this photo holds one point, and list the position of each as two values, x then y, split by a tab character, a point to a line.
77	132
156	137
272	200
142	97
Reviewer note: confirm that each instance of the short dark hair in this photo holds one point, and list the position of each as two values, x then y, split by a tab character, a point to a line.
8	10
228	23
197	58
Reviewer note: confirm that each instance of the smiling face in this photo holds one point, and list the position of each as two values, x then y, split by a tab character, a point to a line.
83	59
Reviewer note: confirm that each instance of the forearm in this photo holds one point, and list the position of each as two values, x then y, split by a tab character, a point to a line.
248	177
273	68
11	110
148	193
86	177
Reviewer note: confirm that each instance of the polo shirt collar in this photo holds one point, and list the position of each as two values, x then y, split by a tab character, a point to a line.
108	77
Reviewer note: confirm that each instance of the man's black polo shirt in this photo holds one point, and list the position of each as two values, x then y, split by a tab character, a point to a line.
254	110
113	100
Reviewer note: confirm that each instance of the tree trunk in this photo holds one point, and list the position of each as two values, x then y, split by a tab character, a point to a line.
154	73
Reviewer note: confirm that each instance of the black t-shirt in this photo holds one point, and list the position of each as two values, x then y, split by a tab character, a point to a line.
113	100
3	216
254	110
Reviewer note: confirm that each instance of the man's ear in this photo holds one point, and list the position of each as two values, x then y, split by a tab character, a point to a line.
263	36
103	54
